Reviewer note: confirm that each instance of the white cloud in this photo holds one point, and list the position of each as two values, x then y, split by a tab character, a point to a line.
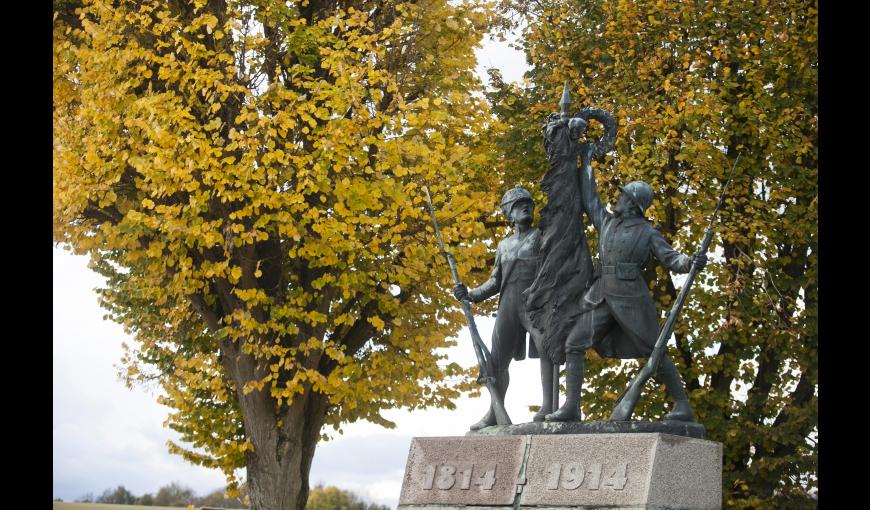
385	492
500	55
103	434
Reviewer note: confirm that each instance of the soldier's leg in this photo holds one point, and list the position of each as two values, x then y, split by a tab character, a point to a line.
503	351
547	387
499	363
590	328
546	370
668	375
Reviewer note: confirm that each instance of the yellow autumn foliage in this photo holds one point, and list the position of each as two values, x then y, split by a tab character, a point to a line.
248	176
699	88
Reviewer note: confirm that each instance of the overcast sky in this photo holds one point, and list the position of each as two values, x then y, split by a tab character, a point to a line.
105	435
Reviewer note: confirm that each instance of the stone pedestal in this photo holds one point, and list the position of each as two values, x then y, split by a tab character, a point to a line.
639	470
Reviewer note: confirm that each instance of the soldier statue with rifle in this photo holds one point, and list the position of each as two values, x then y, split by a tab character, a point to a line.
548	287
516	263
619	318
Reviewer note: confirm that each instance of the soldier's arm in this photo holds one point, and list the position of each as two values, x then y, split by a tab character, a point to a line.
490	287
673	260
589	192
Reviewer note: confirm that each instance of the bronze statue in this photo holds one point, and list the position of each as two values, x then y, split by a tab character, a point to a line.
552	300
516	263
484	357
549	289
619	319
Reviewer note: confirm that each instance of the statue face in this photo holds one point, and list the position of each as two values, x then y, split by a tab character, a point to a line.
624	204
561	135
576	128
522	212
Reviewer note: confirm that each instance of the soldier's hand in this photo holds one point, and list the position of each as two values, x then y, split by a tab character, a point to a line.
586	152
460	292
699	259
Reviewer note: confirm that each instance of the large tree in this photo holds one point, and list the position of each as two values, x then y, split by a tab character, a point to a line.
248	177
693	85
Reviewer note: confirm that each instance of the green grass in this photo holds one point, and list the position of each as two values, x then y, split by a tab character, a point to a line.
99	506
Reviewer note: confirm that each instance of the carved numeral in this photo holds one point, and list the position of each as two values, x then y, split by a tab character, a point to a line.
595	479
573	475
553	472
428	477
465	481
617	479
446	477
487	481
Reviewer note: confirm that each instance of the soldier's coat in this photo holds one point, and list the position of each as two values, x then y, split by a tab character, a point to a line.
626	246
515	264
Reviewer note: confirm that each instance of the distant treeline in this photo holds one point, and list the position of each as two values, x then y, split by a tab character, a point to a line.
174	494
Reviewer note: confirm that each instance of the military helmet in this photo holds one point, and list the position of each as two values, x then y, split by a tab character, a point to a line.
640	192
514	194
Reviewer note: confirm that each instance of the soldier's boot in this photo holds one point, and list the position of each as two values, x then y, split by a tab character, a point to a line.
547	385
573	384
501	383
488	420
670	376
682	412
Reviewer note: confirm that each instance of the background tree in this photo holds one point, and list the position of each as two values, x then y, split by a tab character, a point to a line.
86	498
247	175
174	494
333	498
146	499
218	498
694	84
119	495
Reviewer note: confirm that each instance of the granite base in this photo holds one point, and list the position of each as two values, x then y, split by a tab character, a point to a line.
637	470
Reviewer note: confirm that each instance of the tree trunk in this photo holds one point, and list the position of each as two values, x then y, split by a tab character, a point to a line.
278	467
270	482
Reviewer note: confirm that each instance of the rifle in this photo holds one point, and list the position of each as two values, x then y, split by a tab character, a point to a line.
480	349
628	400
